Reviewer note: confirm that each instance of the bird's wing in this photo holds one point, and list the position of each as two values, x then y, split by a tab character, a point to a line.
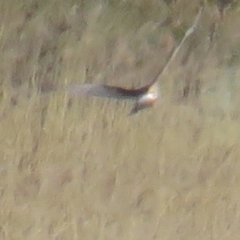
99	90
175	51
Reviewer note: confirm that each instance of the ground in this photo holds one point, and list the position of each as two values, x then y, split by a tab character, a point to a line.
81	168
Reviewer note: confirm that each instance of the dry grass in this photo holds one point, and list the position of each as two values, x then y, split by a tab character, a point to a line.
83	169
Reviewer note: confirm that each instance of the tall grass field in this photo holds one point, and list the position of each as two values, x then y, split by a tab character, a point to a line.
81	168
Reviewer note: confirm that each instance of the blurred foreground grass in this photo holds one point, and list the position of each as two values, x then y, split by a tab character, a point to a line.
81	168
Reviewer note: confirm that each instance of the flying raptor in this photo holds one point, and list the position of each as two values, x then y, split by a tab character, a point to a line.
144	97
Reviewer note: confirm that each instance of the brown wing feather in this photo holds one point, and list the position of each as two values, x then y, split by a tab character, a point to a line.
99	90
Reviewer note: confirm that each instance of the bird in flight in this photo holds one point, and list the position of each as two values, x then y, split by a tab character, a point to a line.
144	97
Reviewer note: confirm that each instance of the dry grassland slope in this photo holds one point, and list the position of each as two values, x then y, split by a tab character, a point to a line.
80	168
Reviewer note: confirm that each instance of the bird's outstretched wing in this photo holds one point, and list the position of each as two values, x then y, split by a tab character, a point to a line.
104	91
144	97
175	51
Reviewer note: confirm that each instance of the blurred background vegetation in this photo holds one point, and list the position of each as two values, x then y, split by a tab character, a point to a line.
80	168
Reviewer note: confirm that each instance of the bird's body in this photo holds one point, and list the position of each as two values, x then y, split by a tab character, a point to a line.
147	99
